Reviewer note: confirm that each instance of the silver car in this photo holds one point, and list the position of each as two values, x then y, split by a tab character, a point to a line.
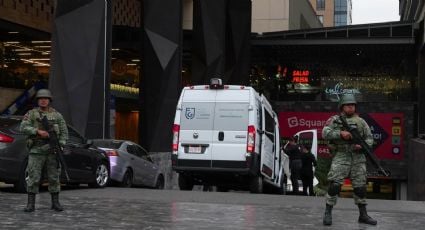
131	164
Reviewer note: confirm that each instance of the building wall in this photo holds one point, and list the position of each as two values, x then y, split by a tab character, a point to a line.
126	13
302	16
30	13
187	14
327	13
39	14
269	15
416	184
411	10
126	126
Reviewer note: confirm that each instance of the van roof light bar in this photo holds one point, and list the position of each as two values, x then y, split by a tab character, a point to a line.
216	83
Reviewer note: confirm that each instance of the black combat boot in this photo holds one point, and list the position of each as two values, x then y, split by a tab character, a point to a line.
327	219
31	203
55	202
364	218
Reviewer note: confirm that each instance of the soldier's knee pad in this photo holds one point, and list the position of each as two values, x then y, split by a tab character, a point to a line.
334	189
360	191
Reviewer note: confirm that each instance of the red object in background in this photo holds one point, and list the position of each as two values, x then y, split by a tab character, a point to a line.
387	129
300	76
347	181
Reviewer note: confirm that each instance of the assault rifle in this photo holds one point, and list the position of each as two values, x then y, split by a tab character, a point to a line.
365	147
54	145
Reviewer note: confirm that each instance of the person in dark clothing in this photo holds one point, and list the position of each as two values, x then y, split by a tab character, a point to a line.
308	161
293	150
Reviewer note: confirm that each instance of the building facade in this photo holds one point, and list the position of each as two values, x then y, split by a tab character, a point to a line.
333	12
270	15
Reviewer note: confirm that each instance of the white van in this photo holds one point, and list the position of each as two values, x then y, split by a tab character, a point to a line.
227	136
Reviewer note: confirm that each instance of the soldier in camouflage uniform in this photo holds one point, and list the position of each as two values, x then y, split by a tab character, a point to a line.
348	160
40	155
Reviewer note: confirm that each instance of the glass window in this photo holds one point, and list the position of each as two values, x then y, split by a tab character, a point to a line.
320	4
141	152
340	19
270	125
320	17
341	5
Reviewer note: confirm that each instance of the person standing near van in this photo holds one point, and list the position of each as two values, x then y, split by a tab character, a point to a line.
293	150
308	161
348	160
40	155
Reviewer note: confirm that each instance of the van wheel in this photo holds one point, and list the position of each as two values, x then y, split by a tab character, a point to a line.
256	184
185	183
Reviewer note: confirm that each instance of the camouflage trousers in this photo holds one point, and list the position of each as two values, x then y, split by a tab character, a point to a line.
356	172
36	163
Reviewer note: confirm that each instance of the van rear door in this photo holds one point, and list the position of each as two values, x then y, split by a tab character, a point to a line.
229	137
196	128
308	138
268	139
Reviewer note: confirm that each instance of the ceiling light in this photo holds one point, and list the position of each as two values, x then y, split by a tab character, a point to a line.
135	60
20	50
39	59
35	62
13	32
38	64
40	41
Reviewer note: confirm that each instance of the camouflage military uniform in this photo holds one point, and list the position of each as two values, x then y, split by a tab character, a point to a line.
347	162
39	154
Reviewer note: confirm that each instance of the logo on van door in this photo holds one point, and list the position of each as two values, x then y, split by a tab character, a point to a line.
190	113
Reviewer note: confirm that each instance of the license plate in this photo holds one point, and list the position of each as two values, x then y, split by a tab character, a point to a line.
195	149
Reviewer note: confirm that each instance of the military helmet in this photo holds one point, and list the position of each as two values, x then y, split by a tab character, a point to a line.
347	99
43	93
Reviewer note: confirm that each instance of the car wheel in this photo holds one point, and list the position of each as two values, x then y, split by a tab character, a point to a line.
185	182
160	182
21	185
256	184
101	176
127	180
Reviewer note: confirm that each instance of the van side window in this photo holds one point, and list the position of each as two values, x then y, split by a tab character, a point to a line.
270	128
269	122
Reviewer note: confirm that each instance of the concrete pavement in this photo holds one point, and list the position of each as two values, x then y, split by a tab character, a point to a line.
136	208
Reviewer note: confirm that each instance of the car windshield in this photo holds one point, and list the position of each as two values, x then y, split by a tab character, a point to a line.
110	144
10	125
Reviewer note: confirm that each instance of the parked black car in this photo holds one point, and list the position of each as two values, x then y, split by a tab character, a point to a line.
86	163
